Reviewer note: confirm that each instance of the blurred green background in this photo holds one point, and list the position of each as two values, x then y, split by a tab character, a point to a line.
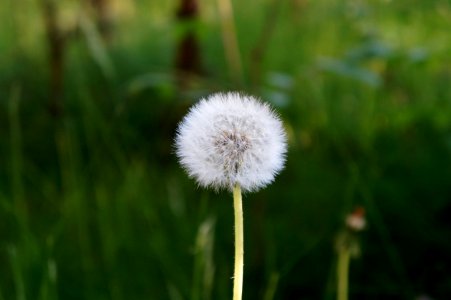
93	204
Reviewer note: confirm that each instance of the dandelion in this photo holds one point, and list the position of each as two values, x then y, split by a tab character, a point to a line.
235	142
230	138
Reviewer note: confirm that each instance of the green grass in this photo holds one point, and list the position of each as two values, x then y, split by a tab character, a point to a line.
93	205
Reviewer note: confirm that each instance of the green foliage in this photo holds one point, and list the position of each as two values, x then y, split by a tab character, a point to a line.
93	204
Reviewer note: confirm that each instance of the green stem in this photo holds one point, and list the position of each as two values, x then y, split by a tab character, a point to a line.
239	242
344	256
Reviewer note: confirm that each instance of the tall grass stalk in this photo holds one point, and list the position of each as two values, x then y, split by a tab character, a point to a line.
16	157
230	40
49	289
272	286
18	276
203	275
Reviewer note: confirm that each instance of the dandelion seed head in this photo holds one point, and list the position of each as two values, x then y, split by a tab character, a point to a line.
231	138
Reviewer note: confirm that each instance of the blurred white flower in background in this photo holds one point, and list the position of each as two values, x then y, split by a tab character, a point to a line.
356	220
230	138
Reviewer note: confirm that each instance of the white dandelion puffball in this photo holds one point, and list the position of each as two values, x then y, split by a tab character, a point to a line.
230	138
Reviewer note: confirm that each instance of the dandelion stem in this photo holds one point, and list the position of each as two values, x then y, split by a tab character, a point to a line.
344	256
239	242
